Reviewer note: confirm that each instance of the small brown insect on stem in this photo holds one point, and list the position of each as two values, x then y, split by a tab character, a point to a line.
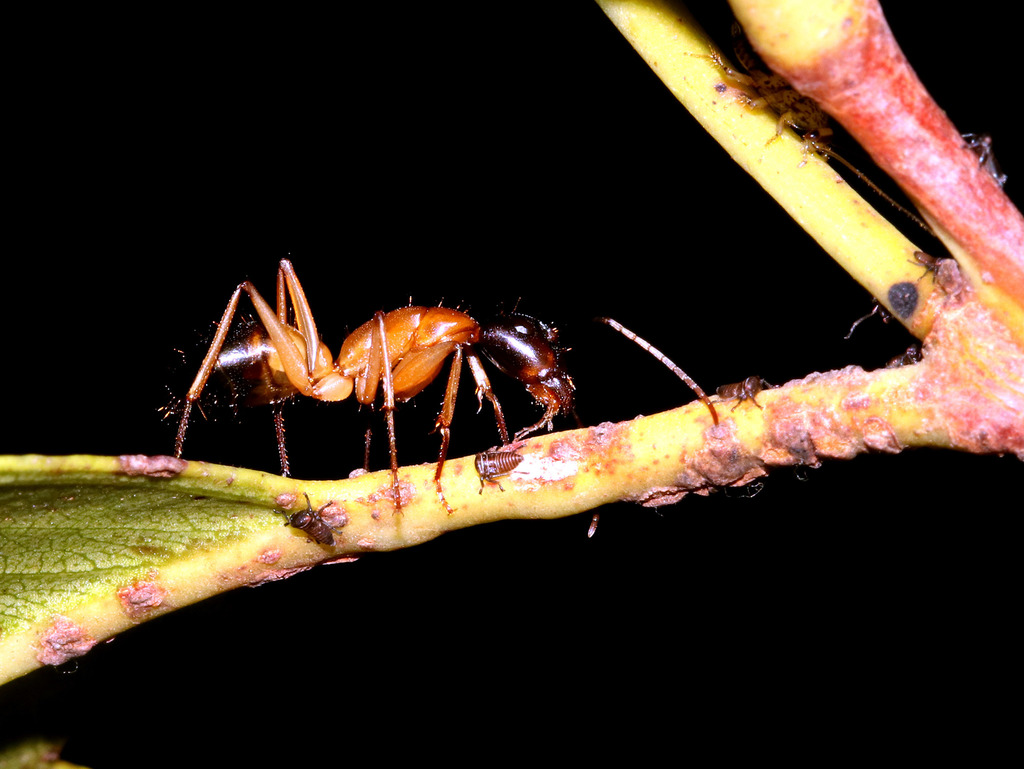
911	356
491	465
746	390
665	360
981	145
309	521
929	262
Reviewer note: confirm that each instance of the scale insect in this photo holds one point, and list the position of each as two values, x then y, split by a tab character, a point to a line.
665	360
397	353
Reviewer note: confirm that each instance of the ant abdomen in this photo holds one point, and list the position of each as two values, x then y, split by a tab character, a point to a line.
247	367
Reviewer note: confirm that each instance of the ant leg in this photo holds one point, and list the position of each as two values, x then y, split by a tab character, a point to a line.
379	350
209	361
551	408
483	390
444	422
282	452
366	448
291	359
282	298
303	312
292	362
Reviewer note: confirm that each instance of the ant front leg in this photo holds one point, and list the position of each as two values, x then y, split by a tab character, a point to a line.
447	413
483	390
551	405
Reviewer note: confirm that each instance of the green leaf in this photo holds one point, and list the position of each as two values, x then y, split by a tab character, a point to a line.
64	543
91	545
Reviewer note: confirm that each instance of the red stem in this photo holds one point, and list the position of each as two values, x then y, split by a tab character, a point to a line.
868	86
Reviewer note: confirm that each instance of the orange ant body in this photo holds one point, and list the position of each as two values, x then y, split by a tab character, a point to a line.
398	352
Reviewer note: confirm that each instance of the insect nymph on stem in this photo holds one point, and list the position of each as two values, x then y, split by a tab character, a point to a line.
495	464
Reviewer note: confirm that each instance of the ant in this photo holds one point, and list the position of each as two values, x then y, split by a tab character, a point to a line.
664	359
398	352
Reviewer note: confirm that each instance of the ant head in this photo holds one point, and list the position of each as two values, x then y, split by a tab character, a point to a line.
527	349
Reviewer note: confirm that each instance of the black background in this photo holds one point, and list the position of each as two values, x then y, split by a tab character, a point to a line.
481	158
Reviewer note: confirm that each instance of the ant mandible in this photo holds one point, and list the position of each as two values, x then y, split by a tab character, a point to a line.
399	352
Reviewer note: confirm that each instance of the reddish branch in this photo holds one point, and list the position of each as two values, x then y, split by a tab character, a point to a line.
867	84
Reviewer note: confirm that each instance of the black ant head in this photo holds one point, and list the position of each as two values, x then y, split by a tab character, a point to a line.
528	350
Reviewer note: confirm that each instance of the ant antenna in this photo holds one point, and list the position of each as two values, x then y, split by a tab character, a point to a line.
823	149
664	359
